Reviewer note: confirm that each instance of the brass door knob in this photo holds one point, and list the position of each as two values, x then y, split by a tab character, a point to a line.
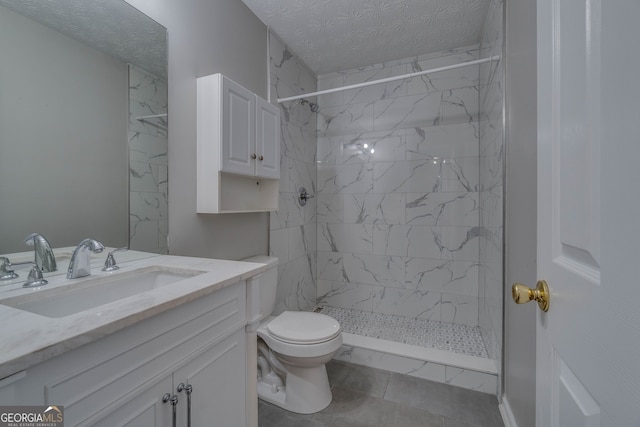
522	294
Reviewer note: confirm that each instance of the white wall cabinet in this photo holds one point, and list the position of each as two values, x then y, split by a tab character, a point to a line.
122	378
238	148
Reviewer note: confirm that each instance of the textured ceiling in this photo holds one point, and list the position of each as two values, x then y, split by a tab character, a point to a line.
113	27
334	35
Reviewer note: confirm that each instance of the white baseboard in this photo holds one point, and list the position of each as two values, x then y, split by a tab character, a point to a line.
507	415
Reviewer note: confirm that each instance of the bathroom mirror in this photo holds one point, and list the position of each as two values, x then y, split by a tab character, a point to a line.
83	124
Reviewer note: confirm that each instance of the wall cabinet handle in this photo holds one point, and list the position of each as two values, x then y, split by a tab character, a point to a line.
261	158
187	389
253	156
174	402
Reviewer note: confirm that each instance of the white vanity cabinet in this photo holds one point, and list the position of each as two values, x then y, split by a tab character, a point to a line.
122	378
238	148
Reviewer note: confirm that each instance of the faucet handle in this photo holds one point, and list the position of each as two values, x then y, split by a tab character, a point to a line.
5	273
110	262
35	277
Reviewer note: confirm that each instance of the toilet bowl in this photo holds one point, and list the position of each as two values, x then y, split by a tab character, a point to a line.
297	345
293	348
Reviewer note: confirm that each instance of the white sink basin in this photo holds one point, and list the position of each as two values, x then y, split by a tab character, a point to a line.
96	291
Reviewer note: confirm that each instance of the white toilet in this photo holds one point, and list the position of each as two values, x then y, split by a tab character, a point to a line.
292	348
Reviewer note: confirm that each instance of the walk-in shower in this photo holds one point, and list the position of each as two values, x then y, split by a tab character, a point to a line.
403	241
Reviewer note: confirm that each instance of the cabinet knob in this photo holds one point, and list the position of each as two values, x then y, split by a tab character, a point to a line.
261	158
186	388
171	399
253	156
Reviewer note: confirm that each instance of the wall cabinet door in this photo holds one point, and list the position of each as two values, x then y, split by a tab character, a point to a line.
267	139
217	377
238	129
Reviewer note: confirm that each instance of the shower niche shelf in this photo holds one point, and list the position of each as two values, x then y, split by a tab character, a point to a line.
238	148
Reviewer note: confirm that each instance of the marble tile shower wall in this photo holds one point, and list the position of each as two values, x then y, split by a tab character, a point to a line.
398	190
491	182
293	228
148	173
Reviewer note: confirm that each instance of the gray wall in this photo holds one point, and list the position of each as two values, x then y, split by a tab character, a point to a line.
207	37
520	321
52	131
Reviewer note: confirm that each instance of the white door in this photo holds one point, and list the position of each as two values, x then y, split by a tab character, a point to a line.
588	343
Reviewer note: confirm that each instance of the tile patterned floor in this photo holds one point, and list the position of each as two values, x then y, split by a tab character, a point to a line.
420	332
369	397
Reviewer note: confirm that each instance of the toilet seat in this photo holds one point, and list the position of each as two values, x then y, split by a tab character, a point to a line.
301	334
301	327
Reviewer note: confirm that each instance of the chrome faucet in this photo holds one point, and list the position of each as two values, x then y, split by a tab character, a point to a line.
44	258
80	264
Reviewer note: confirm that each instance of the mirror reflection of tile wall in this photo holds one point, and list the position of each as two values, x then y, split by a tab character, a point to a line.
148	154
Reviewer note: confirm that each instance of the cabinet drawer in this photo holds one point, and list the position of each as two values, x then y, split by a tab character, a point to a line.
93	377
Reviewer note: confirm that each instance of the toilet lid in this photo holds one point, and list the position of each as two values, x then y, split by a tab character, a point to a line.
303	327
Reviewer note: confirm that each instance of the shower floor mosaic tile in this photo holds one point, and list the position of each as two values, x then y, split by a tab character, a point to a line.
445	336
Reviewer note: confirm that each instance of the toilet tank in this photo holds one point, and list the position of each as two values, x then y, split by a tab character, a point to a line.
261	289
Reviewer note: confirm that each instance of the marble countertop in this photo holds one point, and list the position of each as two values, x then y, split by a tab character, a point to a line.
27	339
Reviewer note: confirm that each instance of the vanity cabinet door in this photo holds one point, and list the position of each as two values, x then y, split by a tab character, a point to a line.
218	380
8	393
267	139
238	129
140	409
